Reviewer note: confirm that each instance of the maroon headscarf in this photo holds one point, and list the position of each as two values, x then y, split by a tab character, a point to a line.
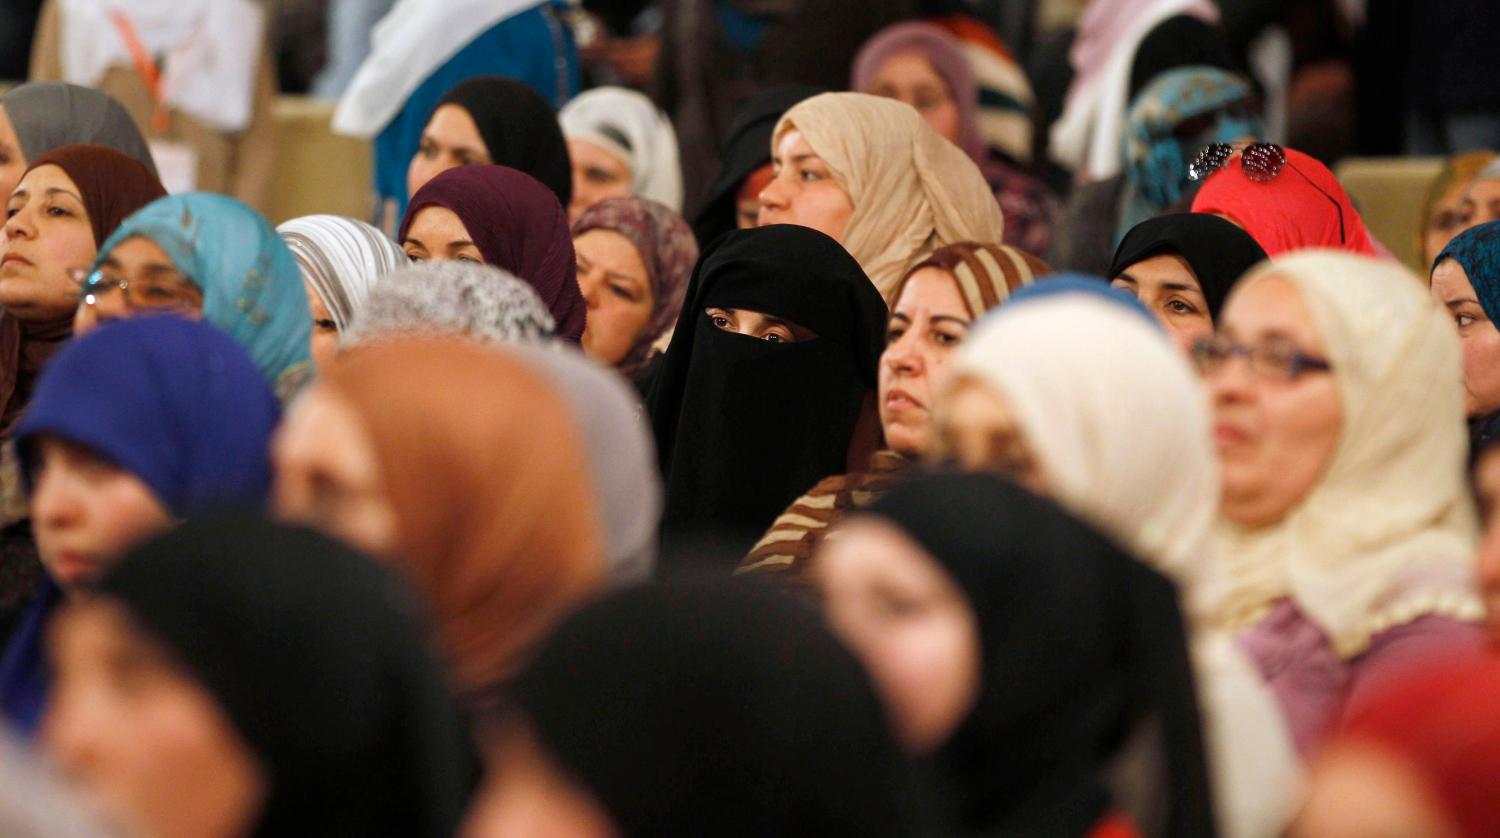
112	184
518	225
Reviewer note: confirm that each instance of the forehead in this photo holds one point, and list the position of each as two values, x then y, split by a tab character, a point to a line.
934	289
435	223
47	177
909	65
1450	280
794	144
1271	304
138	250
1163	268
454	123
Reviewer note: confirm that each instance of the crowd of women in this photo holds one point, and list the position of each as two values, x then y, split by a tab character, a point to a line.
531	506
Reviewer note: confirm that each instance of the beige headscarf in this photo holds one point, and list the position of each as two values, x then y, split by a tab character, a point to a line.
913	191
1388	534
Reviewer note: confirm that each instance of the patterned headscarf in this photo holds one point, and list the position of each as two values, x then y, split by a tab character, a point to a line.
1477	249
451	298
666	246
987	274
251	287
341	259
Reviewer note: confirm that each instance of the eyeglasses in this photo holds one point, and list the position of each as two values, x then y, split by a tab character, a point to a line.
1261	162
163	293
1277	361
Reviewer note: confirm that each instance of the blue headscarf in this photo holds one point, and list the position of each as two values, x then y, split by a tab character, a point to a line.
252	288
1075	283
1477	250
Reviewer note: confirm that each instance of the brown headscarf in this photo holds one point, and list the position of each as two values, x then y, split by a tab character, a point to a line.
987	274
496	525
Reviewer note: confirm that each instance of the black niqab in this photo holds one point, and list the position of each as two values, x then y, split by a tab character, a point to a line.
519	128
1218	251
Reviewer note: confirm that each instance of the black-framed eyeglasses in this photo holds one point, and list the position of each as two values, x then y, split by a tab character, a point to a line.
163	293
1261	162
1277	361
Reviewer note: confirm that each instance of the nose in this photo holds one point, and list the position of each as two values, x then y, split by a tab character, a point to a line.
19	226
904	356
588	285
54	503
774	196
1232	382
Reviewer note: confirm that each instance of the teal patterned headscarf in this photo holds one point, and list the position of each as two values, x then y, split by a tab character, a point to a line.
252	289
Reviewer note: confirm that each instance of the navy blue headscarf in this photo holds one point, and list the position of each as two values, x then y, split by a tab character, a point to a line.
1477	250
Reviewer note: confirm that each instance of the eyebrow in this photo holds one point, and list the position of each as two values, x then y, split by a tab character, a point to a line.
1462	301
622	278
1169	286
950	318
456	246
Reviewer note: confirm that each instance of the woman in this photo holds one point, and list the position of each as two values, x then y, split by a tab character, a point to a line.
1466	282
1285	200
873	175
1481	202
452	298
634	260
935	305
1443	212
634	720
1312	453
766	386
925	66
39	117
459	465
500	217
1041	646
421	51
240	678
341	260
1181	266
133	428
212	256
492	120
620	144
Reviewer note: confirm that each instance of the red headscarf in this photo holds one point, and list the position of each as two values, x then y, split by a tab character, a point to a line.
1303	206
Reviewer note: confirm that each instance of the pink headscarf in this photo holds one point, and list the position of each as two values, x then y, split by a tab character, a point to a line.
946	55
1302	207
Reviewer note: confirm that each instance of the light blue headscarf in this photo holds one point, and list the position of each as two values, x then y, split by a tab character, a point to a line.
252	289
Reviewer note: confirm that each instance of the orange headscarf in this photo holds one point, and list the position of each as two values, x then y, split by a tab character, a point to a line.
483	466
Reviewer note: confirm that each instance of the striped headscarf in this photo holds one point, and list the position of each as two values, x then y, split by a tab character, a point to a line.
987	274
342	259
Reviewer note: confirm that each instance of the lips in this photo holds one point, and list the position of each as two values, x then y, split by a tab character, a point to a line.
14	258
898	399
1227	434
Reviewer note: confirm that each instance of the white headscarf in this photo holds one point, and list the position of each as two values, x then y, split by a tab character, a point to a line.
1388	534
342	259
212	49
628	125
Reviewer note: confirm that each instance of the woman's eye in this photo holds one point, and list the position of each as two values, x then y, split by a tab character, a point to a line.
720	321
809	175
622	292
1465	320
945	339
325	325
598	176
58	212
416	258
893	335
10	212
470	259
1180	307
774	337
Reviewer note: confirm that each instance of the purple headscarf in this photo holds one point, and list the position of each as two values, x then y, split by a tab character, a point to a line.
666	246
946	55
519	226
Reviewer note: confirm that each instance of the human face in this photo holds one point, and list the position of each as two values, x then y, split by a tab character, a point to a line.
451	140
1449	217
928	321
527	793
1477	335
977	431
437	234
328	474
906	618
1275	437
747	199
802	191
617	289
1487	485
152	281
1167	285
12	160
325	332
598	173
909	77
149	745
47	236
86	512
743	321
1364	791
1481	204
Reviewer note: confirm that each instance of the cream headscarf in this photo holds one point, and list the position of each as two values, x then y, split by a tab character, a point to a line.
1388	534
913	191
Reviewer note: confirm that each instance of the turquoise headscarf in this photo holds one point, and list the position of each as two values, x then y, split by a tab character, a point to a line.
252	289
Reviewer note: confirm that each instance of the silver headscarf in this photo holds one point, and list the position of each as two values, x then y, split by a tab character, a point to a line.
341	259
452	298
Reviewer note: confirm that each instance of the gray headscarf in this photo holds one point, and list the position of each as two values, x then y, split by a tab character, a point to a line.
621	452
452	298
48	115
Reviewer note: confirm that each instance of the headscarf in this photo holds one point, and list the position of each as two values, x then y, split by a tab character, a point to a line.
621	454
342	259
628	125
1006	99
667	249
744	426
251	287
317	659
1068	284
946	55
519	129
172	401
1179	41
1218	252
1302	207
51	114
716	707
458	299
518	226
1156	158
912	190
1477	251
1460	169
1388	533
747	148
487	476
987	274
1078	644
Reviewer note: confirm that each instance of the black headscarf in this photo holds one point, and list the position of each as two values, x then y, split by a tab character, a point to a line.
315	656
1180	41
716	707
519	129
743	426
747	148
1079	644
1218	252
